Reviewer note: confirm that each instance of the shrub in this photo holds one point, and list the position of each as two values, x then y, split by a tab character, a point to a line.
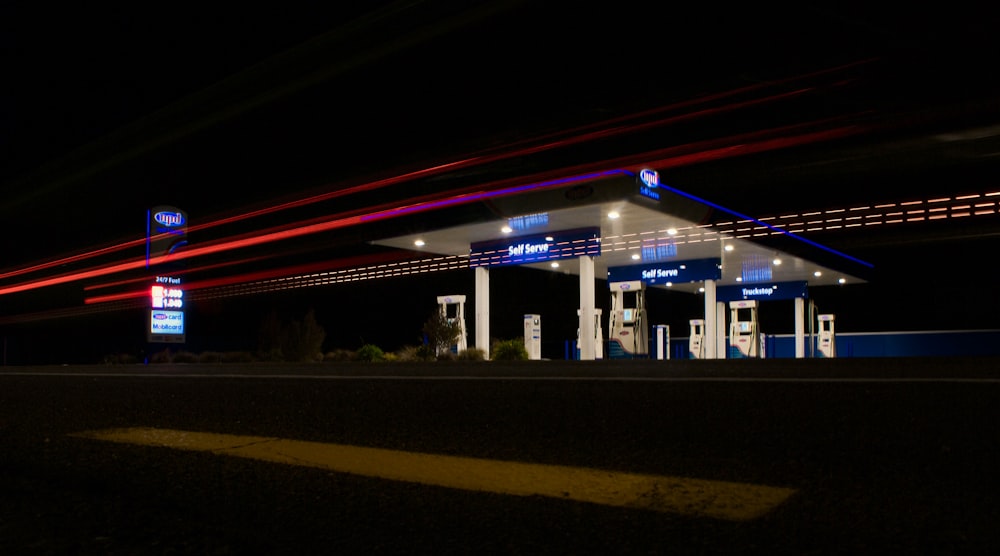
237	357
273	354
184	357
415	353
120	359
339	355
472	354
426	353
407	353
210	357
370	353
160	356
509	350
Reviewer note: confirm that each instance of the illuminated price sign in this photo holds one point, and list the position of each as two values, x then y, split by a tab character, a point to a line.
166	317
167	298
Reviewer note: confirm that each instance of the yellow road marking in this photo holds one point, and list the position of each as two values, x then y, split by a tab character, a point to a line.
695	497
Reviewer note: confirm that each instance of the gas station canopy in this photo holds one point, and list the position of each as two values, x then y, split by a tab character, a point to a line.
640	223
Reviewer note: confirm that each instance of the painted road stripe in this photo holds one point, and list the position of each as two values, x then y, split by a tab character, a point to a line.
694	497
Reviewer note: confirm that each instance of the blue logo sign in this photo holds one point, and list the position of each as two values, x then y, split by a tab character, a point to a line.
169	219
650	177
649	182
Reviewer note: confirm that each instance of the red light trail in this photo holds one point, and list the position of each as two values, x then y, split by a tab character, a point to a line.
663	158
561	139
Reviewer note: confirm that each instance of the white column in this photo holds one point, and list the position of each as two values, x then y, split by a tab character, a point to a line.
710	320
722	346
800	328
586	308
483	309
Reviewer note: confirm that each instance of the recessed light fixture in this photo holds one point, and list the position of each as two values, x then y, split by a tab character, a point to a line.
555	265
701	290
672	231
739	278
729	247
842	281
614	215
419	243
776	261
817	274
549	238
506	229
636	256
670	284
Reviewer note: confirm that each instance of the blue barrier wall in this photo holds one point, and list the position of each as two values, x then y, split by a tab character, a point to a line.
900	344
870	344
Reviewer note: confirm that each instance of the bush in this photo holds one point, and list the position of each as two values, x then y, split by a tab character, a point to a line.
509	350
120	359
415	353
237	357
339	355
160	357
407	353
472	354
184	357
370	353
426	352
210	357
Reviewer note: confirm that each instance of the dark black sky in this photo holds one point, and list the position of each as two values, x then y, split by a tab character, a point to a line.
106	111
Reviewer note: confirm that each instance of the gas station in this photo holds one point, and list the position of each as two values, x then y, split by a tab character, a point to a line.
639	234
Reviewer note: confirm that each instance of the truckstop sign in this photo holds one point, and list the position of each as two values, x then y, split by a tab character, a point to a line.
763	292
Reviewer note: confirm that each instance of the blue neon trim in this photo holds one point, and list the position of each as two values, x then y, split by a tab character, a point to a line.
175	246
149	217
490	194
766	225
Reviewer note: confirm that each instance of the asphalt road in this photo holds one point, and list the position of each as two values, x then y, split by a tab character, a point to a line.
881	455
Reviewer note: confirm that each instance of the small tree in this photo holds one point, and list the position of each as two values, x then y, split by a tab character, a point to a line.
441	332
269	338
310	338
291	340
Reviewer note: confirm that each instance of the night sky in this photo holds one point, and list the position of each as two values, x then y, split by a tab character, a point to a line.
106	112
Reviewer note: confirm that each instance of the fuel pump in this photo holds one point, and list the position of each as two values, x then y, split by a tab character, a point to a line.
533	336
661	339
744	340
452	308
827	339
696	340
598	334
628	337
